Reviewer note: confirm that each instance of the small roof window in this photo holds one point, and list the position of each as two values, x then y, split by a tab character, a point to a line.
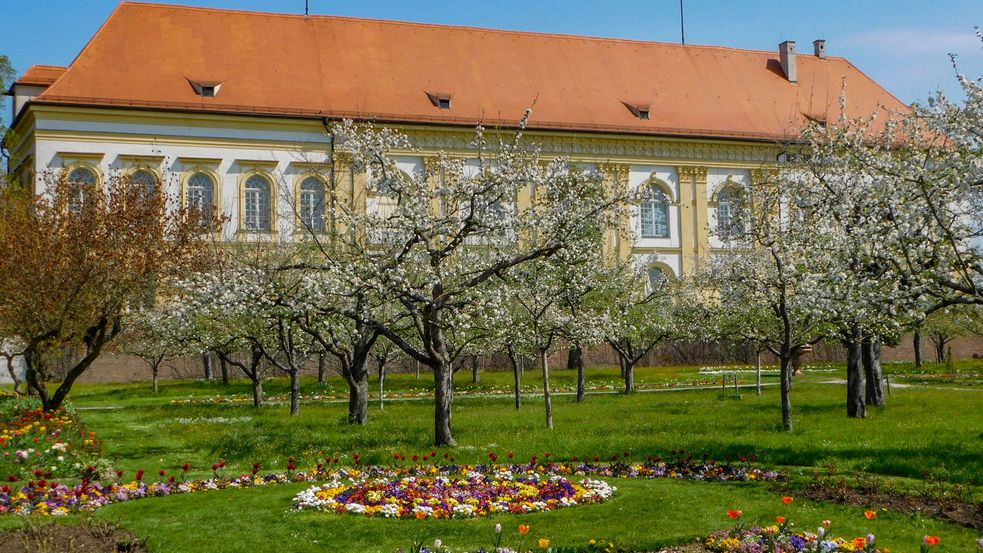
206	89
640	111
440	99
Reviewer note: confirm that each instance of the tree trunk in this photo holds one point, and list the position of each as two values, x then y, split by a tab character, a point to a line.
786	388
444	397
382	386
874	391
155	369
294	392
13	373
757	370
418	370
516	376
547	397
322	368
475	369
939	351
257	390
576	355
358	401
628	368
916	344
621	365
206	362
224	367
855	407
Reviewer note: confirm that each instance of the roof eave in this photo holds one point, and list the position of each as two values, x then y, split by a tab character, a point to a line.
461	122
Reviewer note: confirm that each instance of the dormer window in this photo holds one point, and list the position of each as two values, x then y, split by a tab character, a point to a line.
440	100
640	111
206	89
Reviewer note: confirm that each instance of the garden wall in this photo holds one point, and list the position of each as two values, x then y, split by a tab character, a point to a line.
125	368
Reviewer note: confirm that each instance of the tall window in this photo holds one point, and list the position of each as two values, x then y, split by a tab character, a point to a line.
312	204
654	215
201	192
257	214
82	182
730	223
657	279
146	179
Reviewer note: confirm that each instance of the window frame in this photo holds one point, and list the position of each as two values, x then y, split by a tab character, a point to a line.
96	176
729	194
158	181
300	225
244	200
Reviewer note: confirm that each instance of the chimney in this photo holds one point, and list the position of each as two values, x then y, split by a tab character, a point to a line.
819	46
786	51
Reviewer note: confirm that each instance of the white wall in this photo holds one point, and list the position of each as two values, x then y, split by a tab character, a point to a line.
231	147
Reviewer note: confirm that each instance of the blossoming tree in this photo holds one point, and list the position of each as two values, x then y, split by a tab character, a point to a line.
451	233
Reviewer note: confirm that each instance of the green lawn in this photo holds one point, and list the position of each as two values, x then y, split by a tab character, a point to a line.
925	430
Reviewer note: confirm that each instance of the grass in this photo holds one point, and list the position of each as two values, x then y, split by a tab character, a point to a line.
925	431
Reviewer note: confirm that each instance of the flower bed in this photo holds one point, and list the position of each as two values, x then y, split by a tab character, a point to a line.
39	444
43	497
454	496
782	537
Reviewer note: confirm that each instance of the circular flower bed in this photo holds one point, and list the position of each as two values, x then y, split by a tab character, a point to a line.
461	496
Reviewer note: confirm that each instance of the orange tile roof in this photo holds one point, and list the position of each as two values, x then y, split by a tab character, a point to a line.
146	55
42	75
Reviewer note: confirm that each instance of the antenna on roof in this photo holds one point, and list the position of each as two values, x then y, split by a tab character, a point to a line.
682	26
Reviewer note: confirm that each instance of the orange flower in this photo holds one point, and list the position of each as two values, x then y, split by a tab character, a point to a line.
523	529
931	541
780	519
734	513
544	543
871	515
786	499
420	515
860	543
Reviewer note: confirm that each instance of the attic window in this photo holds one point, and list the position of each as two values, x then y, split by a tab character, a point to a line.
206	89
440	100
640	111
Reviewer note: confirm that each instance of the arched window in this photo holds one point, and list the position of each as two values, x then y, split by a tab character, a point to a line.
81	181
311	208
201	192
657	279
654	214
146	179
730	217
257	213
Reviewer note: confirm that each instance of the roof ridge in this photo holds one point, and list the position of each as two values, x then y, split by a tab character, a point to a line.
457	27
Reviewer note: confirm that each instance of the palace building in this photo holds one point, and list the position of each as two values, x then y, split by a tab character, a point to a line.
228	109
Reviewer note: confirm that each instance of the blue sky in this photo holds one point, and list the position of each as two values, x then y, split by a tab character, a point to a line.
903	44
